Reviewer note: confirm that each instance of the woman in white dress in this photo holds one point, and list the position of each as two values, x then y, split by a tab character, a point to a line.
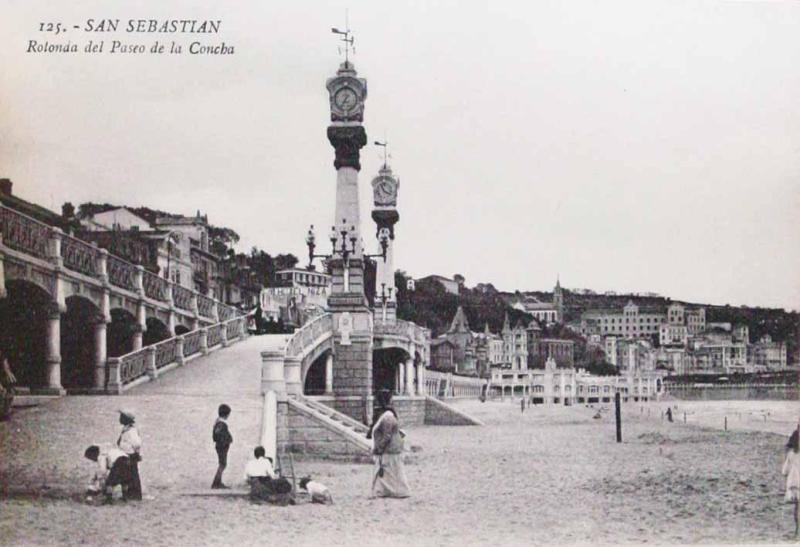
791	468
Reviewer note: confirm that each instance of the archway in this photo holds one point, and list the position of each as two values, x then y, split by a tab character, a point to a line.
155	333
181	329
23	336
314	383
119	336
78	342
385	365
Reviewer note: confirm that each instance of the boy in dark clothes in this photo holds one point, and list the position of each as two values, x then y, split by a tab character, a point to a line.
222	441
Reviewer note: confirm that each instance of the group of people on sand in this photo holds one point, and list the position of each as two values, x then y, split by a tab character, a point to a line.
388	478
118	466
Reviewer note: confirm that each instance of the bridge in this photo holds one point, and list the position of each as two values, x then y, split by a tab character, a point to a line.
76	318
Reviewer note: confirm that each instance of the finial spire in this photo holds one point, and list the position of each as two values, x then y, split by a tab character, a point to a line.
385	145
346	37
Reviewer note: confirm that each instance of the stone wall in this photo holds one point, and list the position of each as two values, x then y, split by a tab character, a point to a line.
439	413
352	369
410	410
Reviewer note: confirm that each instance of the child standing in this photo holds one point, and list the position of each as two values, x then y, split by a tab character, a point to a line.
222	441
791	468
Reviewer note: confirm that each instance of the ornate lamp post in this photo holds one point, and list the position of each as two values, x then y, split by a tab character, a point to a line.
385	297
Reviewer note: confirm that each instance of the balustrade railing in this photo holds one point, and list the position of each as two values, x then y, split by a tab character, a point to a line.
214	335
25	234
133	366
182	297
205	307
308	333
166	352
79	256
121	274
155	287
191	343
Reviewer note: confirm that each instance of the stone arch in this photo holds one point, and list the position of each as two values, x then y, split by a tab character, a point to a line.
78	342
385	364
314	378
23	336
181	329
120	332
155	332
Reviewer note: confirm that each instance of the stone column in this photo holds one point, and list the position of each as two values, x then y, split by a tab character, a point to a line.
138	334
179	358
223	336
421	388
204	341
401	378
272	374
329	374
152	371
100	353
53	350
293	376
409	366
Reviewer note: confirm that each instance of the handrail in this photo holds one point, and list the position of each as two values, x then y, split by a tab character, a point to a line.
149	359
30	236
308	333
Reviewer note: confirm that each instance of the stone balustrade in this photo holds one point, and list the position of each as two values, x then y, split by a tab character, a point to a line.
149	362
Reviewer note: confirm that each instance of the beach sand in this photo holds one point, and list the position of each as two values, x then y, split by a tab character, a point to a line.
548	476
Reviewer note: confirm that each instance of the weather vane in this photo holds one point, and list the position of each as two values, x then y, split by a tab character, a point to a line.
347	38
385	145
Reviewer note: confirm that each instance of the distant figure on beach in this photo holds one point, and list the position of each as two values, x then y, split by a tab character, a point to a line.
113	469
389	479
669	414
222	441
791	468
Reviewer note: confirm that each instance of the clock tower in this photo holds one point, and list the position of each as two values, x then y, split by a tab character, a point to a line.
385	215
352	319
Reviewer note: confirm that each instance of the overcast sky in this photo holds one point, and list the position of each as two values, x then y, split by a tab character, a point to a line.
626	146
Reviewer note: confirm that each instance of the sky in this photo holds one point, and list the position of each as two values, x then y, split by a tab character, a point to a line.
633	146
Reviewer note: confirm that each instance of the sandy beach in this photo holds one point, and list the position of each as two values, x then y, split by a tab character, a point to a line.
548	476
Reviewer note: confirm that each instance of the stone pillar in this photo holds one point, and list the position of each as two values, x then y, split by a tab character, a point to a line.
55	247
269	425
179	358
401	378
152	371
172	321
138	335
204	341
223	336
421	388
272	374
293	376
100	353
114	384
329	374
53	350
409	366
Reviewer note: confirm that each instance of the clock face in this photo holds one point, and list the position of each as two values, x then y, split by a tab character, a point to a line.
345	99
385	189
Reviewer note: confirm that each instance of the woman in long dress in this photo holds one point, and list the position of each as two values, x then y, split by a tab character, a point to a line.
131	444
389	477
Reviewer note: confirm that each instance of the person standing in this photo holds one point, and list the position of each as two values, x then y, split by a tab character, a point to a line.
222	441
791	469
389	479
130	443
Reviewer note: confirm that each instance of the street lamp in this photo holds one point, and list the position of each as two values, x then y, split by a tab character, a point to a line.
383	239
385	297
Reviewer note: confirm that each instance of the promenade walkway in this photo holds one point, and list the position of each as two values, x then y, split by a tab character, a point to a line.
41	448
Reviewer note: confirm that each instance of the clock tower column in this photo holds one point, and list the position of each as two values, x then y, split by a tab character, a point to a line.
385	215
352	320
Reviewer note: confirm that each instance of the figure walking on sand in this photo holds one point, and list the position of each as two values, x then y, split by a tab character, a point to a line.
791	468
389	478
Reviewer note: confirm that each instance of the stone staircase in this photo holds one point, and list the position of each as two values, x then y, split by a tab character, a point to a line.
317	429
